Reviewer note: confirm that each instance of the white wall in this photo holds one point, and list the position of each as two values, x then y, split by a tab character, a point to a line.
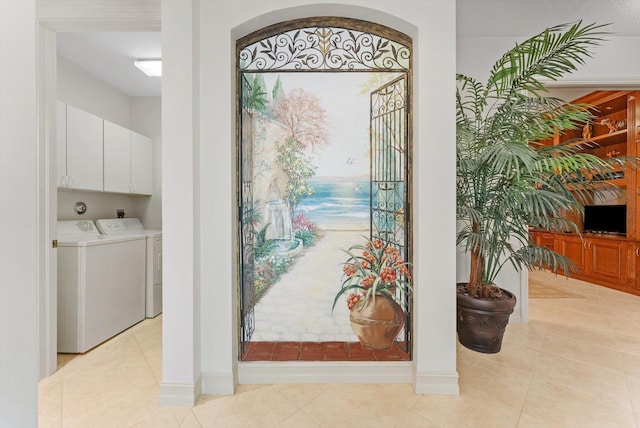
19	233
81	89
85	91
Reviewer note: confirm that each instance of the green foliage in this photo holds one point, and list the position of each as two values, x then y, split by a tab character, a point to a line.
298	168
257	98
278	90
306	236
505	182
262	246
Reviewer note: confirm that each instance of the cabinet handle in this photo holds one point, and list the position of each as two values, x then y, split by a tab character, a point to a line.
638	251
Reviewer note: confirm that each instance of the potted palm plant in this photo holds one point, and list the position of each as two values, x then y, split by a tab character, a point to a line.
507	181
379	282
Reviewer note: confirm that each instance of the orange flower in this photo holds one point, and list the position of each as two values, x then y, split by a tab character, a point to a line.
352	299
367	281
368	256
349	269
365	265
388	275
377	244
403	270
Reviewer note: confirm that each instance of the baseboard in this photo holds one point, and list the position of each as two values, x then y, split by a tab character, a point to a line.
219	383
436	383
341	372
179	393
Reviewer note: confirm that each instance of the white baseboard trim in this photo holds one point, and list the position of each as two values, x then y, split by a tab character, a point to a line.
180	393
341	372
436	383
219	383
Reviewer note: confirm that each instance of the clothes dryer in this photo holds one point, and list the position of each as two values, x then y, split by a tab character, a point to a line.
101	288
153	263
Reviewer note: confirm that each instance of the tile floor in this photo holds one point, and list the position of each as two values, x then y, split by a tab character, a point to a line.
575	364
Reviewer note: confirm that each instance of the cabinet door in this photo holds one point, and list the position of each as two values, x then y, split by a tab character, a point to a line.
61	143
84	150
141	164
117	158
573	248
608	260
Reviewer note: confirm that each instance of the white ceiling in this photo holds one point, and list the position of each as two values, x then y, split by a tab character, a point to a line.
110	56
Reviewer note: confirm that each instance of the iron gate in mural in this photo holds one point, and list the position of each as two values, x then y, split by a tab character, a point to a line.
389	173
246	214
331	44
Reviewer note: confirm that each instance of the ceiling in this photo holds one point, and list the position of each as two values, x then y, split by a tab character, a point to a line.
110	56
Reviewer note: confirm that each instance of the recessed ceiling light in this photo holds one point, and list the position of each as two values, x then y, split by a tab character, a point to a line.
150	67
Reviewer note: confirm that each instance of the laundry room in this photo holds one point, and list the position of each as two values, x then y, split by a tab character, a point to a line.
107	173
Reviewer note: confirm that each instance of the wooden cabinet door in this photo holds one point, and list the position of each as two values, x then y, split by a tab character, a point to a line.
608	260
573	247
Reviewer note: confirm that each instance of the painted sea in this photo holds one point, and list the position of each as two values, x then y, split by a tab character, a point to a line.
338	204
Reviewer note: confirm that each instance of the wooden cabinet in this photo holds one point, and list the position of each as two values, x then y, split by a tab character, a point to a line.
609	260
603	260
79	149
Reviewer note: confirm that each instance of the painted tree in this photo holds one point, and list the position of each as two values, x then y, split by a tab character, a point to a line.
258	98
306	120
298	168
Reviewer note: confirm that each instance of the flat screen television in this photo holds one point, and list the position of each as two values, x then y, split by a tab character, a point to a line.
605	219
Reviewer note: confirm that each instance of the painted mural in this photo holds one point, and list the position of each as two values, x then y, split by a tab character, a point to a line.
311	173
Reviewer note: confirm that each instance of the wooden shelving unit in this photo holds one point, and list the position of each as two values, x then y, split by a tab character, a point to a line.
608	260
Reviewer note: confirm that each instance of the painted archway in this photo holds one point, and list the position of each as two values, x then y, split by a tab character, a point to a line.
319	45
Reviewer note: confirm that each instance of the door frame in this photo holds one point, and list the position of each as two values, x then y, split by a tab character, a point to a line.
91	16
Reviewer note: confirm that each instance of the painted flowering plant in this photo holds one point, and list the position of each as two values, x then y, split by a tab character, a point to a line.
376	268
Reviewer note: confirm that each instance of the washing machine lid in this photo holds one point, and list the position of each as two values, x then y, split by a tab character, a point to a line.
74	233
110	226
116	226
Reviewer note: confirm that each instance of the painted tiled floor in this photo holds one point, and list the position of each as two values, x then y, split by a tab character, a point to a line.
575	364
320	351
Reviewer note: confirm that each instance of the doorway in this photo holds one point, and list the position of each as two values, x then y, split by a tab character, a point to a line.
323	140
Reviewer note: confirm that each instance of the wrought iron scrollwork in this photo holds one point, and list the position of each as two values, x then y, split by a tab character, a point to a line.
325	49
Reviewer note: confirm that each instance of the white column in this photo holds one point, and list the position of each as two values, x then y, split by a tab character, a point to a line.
434	202
18	215
181	384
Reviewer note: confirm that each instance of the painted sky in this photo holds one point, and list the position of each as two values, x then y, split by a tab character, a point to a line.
347	111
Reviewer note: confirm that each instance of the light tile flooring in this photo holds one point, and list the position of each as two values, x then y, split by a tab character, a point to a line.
575	364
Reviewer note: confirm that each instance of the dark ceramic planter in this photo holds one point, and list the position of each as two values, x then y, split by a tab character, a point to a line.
481	322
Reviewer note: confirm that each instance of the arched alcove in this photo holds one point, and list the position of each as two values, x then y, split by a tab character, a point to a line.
303	194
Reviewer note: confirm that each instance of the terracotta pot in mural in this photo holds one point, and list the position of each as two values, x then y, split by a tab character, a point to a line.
377	324
481	322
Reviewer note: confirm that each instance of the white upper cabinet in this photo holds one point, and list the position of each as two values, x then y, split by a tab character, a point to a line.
128	160
95	154
84	150
141	164
117	162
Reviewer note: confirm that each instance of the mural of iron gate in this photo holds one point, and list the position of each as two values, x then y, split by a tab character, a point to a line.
389	173
333	44
245	169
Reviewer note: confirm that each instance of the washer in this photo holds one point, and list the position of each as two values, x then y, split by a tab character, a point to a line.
133	226
101	288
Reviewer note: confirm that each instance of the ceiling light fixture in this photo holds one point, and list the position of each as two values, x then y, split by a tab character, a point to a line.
150	67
